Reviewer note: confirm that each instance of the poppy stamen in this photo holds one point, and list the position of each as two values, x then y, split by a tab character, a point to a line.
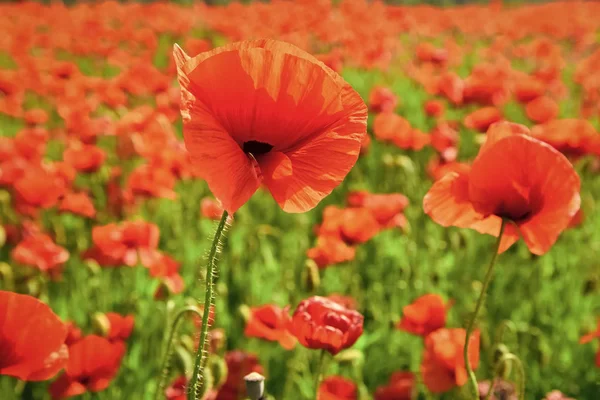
256	148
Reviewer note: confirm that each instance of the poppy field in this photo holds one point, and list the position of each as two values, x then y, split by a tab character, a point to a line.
303	199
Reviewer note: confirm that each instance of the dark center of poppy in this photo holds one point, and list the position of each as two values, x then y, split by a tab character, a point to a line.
256	148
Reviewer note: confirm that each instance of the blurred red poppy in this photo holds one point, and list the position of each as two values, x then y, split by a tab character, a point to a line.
396	129
320	323
538	208
131	242
384	207
572	137
542	109
239	364
443	365
352	225
38	188
93	363
331	250
84	157
434	108
73	333
120	326
39	250
337	388
297	128
425	315
481	119
24	355
78	203
400	387
272	323
382	99
152	181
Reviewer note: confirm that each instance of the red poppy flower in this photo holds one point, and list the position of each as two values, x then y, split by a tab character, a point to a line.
425	315
400	387
331	250
84	157
437	167
265	111
239	364
152	181
569	136
384	207
537	191
39	188
78	203
480	120
542	109
271	322
36	116
443	365
393	128
337	388
528	89
120	327
24	355
452	87
73	333
93	363
166	269
444	138
39	250
320	323
131	242
434	108
382	99
352	225
346	301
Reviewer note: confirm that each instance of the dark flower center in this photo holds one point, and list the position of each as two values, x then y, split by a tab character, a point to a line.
256	148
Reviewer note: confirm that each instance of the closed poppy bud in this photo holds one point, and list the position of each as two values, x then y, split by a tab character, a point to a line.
218	368
320	323
311	274
255	385
337	388
101	324
424	315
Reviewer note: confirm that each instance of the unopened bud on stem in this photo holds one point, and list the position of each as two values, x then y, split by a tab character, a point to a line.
255	386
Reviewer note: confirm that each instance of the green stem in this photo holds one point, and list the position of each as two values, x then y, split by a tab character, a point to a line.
471	324
167	355
319	374
208	299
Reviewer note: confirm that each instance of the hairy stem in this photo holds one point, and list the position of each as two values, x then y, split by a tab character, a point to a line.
471	324
167	355
197	375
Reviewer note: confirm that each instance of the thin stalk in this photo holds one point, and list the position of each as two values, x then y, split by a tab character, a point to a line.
208	299
319	374
471	324
167	355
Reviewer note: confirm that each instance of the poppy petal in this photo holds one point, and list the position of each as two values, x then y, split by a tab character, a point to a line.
447	203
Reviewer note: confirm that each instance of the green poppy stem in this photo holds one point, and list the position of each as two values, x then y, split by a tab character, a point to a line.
320	372
197	375
486	282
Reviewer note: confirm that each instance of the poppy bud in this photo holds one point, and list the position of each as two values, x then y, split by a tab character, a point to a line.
312	279
101	324
93	266
2	236
183	359
218	370
350	356
503	368
255	386
6	275
245	312
388	160
406	164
